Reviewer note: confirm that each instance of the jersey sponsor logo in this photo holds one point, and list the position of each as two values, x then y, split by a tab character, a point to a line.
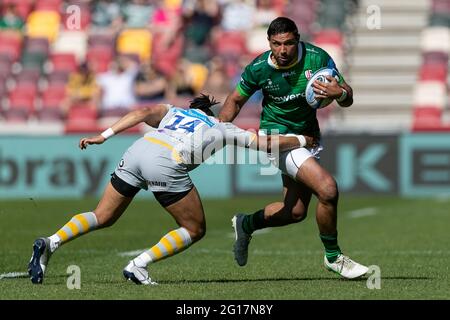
311	50
308	74
287	98
157	184
271	86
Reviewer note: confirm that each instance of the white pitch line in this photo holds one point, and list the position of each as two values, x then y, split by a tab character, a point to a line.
131	253
365	212
13	275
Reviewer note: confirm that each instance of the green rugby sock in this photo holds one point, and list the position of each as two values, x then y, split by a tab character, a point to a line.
253	222
332	250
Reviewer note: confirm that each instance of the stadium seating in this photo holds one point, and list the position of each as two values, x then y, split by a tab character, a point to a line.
10	45
135	41
81	118
430	94
43	24
51	100
63	62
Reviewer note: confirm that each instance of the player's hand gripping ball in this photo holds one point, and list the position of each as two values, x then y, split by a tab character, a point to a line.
321	74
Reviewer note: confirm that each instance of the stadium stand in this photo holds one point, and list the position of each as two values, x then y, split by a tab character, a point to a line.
399	72
383	58
431	90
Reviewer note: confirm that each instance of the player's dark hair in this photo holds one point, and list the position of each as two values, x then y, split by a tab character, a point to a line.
283	25
203	103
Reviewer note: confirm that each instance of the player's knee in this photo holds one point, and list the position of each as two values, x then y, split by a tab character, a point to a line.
197	232
298	215
329	192
104	221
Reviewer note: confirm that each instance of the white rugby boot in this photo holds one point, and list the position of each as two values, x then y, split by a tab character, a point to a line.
138	275
346	267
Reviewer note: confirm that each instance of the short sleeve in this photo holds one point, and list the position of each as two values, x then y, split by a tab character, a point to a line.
247	85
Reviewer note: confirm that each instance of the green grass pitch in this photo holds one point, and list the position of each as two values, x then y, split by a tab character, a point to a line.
407	238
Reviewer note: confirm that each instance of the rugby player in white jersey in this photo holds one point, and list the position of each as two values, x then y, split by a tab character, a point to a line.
160	161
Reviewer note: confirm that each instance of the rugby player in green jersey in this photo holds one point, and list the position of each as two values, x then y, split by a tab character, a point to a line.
282	74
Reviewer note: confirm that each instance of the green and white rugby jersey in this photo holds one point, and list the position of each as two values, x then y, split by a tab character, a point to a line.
284	105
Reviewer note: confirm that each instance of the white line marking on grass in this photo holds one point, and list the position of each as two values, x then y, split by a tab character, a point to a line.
131	253
365	212
13	275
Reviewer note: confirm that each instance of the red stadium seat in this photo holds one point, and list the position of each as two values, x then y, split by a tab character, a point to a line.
433	71
40	45
23	7
53	96
21	106
427	118
81	119
63	62
99	58
28	76
230	43
51	104
329	36
10	47
58	78
50	5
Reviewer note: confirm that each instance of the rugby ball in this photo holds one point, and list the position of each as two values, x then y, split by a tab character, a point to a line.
310	95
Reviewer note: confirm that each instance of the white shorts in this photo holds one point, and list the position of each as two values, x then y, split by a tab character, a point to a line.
149	165
290	161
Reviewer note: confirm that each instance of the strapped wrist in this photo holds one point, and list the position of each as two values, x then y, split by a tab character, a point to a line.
107	133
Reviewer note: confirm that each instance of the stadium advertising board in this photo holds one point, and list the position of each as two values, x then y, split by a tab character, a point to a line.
54	167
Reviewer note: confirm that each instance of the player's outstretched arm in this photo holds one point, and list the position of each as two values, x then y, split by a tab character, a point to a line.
283	143
150	115
231	107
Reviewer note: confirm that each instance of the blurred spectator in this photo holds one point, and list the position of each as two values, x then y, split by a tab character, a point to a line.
82	89
138	13
265	13
218	84
238	15
11	19
199	16
257	36
106	13
167	39
149	85
117	94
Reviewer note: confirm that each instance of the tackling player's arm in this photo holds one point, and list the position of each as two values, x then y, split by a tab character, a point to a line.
248	139
150	115
282	143
232	106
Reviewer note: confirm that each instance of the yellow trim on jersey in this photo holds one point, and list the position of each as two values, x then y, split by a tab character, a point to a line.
175	154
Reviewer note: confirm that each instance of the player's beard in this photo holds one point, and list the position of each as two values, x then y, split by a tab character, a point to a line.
284	61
